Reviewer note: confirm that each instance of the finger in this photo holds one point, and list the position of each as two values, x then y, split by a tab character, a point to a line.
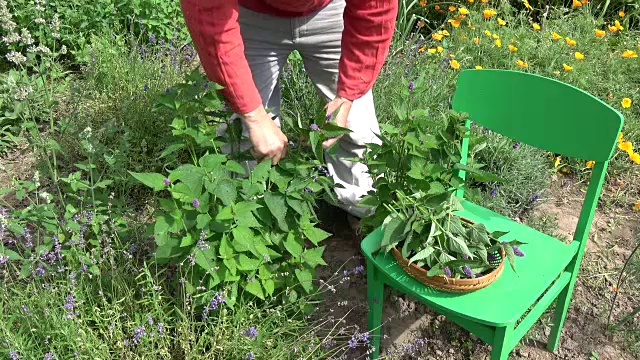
327	143
333	105
275	159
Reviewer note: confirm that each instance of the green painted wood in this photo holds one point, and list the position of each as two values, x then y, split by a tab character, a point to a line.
540	307
539	111
464	155
547	114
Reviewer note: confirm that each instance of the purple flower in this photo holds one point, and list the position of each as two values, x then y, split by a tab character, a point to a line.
250	356
493	192
467	271
145	88
517	251
152	38
195	203
314	127
138	334
24	309
492	257
328	117
166	181
308	191
83	267
534	198
447	272
217	299
4	259
251	333
160	328
202	245
206	85
358	270
353	343
13	355
149	319
48	356
411	86
516	145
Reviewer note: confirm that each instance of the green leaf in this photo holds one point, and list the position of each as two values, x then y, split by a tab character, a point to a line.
422	254
478	233
292	244
226	249
202	221
313	256
478	175
276	204
315	235
212	161
242	239
305	278
152	180
225	190
369	201
392	230
235	167
331	129
511	256
10	253
171	149
269	286
204	261
459	245
254	288
260	172
297	206
246	263
316	145
187	240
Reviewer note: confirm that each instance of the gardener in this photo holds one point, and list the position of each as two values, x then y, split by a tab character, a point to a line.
243	45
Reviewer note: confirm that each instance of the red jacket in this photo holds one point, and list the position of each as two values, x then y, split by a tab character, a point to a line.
214	28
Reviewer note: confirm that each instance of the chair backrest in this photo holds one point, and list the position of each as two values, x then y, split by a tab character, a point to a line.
547	114
539	111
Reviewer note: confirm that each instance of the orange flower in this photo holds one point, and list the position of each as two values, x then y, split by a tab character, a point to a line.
637	205
501	22
612	28
498	43
556	36
478	67
626	146
522	64
621	13
590	164
452	8
600	33
567	67
455	64
422	48
570	41
536	27
420	24
489	13
576	3
454	23
578	55
635	157
484	1
476	40
628	54
618	26
437	36
437	7
513	48
626	103
463	11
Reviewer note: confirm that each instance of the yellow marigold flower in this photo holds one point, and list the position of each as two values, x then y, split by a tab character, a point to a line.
489	13
437	36
522	64
513	48
495	36
440	49
556	73
452	8
423	2
527	5
621	13
570	41
501	22
471	1
600	33
476	40
612	28
567	67
487	32
618	26
626	103
536	27
484	1
620	137
454	23
556	36
463	11
478	67
628	54
445	33
557	162
578	55
635	157
431	50
590	164
577	3
626	146
498	43
637	205
455	64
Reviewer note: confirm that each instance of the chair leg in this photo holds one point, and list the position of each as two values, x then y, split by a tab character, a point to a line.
500	348
562	305
375	294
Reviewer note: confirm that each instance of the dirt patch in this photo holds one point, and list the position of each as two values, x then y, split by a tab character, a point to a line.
412	331
18	163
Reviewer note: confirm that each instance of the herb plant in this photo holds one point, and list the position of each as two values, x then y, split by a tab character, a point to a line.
417	174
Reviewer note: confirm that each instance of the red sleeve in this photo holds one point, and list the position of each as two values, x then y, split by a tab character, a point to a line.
367	34
215	31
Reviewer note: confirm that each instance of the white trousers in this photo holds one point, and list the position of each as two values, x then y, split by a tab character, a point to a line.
268	41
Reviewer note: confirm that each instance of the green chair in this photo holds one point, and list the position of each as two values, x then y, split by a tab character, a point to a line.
547	114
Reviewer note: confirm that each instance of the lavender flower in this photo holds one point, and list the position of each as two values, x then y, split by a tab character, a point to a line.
160	328
251	333
467	271
217	299
195	203
166	182
4	259
516	145
152	38
534	198
24	309
314	127
13	355
202	245
517	251
206	85
493	192
145	88
48	356
250	356
358	270
411	86
447	272
138	334
149	319
308	191
328	117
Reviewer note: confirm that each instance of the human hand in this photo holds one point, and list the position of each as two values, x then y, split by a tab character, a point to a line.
267	139
340	118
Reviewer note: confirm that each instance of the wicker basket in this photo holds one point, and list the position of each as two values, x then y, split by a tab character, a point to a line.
444	283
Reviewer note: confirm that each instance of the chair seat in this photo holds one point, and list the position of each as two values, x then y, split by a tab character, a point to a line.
511	295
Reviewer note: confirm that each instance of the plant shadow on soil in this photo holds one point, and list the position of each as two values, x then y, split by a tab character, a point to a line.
405	320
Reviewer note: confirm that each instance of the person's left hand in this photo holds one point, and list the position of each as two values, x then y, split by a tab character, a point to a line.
340	118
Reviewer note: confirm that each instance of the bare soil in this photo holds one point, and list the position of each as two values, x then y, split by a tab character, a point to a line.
412	331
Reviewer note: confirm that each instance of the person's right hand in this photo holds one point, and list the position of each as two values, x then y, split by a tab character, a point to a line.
266	137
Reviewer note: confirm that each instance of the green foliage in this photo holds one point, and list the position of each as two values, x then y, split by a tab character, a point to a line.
417	174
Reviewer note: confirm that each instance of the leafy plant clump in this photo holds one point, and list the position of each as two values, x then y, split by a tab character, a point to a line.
417	175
